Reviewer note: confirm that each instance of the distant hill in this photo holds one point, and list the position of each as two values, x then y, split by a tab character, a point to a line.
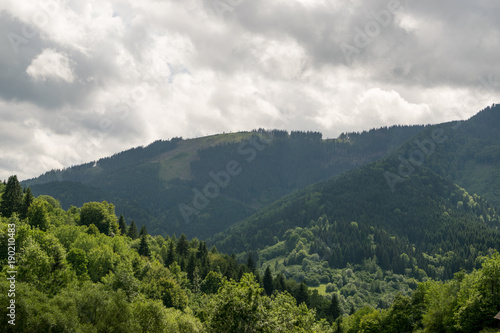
426	223
468	155
404	209
164	185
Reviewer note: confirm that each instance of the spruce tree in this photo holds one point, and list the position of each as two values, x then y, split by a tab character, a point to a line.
280	283
12	198
170	254
143	231
250	263
122	225
334	308
144	247
268	282
191	267
202	250
132	231
302	294
182	246
27	201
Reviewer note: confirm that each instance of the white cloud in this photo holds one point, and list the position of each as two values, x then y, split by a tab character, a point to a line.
101	76
51	65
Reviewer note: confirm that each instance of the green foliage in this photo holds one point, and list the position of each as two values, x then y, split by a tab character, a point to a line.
27	201
240	307
268	282
132	231
144	246
102	215
12	198
77	258
122	225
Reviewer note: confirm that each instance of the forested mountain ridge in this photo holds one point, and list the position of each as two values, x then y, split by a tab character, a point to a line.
468	153
148	184
425	214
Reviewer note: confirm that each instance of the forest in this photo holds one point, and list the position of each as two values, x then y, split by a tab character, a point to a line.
86	270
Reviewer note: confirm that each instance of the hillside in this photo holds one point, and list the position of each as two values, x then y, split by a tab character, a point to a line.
159	185
426	227
469	154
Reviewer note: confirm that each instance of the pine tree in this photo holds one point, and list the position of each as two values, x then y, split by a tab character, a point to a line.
27	201
132	231
302	294
334	309
170	254
143	231
250	263
144	247
202	250
280	283
12	198
122	225
191	267
182	246
268	282
195	284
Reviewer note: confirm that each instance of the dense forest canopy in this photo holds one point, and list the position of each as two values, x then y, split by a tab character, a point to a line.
86	270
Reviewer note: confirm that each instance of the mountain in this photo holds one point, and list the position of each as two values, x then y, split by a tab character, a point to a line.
201	186
397	210
468	153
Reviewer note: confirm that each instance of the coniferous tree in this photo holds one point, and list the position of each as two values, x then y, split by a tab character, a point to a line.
250	263
268	282
143	231
170	254
27	201
191	267
122	225
144	247
202	250
334	309
12	198
182	247
132	231
302	294
280	283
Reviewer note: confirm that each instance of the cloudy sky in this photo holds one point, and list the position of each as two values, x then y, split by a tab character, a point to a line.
80	80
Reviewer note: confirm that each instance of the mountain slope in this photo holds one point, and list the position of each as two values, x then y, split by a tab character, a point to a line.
467	153
160	185
427	226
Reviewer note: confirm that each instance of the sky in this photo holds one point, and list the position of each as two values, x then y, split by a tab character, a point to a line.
81	80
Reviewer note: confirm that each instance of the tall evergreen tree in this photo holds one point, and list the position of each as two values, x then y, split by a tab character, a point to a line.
191	267
182	247
27	201
268	282
144	247
12	198
280	283
143	231
132	230
170	254
122	225
334	308
202	250
302	294
250	263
